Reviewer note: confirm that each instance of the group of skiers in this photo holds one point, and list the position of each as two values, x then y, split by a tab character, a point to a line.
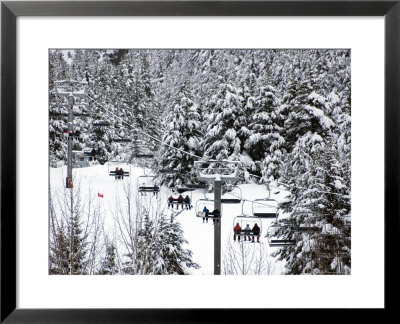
119	173
215	214
181	201
247	231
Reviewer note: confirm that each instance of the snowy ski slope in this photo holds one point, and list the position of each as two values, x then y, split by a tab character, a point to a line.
200	236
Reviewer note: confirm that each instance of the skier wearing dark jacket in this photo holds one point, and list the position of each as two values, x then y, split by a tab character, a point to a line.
187	202
205	211
216	215
256	232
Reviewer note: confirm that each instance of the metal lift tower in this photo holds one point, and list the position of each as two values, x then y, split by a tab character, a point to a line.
217	172
70	89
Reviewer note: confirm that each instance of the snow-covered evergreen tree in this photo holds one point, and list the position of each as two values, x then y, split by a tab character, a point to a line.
171	256
183	132
68	244
109	265
265	144
221	140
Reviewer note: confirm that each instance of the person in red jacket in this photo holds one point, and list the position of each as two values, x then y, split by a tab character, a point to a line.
116	173
237	229
171	202
180	202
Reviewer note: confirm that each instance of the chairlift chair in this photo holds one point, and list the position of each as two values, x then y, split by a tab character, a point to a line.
196	186
121	140
265	208
175	201
143	185
189	187
113	165
243	220
209	203
276	239
101	123
167	171
235	196
143	156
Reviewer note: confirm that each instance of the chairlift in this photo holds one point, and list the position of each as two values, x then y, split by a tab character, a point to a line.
244	220
143	184
167	171
112	170
121	140
330	230
196	186
235	196
101	123
278	239
174	202
182	189
143	156
189	187
265	208
209	204
72	134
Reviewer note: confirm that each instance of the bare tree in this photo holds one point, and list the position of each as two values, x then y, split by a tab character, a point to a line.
245	258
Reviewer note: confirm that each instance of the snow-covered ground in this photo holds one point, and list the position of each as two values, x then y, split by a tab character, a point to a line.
200	236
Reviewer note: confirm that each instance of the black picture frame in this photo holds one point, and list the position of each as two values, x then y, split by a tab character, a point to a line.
10	10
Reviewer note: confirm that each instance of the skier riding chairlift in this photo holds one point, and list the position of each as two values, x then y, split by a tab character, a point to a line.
205	211
247	231
236	230
187	202
216	214
180	202
256	232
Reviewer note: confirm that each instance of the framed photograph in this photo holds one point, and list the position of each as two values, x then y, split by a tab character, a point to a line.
162	159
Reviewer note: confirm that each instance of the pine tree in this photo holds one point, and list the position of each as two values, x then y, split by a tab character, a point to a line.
318	197
59	252
171	257
109	264
183	133
68	243
145	257
266	143
221	139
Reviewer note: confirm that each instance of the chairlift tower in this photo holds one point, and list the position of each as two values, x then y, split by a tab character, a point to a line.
217	172
70	89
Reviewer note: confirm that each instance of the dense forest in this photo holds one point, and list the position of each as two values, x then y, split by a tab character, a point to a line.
285	114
